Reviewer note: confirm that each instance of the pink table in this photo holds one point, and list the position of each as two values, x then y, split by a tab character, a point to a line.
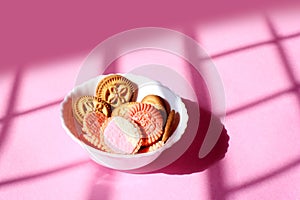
257	57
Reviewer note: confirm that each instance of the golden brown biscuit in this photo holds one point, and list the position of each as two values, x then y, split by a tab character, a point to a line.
154	100
168	127
115	90
153	147
82	106
100	106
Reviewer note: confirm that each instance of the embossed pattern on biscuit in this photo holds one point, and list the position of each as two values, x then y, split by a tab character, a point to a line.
100	106
158	103
82	106
115	90
92	123
149	120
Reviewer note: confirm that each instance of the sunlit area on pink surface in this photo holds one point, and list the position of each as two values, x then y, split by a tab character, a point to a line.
257	57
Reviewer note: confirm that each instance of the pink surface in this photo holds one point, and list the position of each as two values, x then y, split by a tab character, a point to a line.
42	47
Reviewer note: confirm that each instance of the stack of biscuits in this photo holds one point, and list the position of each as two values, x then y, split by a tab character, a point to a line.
113	121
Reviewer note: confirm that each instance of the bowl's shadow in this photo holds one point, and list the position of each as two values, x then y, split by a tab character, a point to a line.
183	156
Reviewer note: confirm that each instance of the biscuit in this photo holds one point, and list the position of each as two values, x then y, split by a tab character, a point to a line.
168	127
158	103
121	136
154	100
92	123
123	109
115	90
150	121
82	106
152	147
100	106
92	141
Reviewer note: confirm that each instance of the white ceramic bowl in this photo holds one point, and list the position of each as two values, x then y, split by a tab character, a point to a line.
146	86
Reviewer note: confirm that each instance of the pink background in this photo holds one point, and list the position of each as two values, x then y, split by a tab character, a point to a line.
42	47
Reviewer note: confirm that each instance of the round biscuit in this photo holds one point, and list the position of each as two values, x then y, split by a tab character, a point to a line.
150	121
100	106
168	127
115	90
123	109
152	147
158	103
82	106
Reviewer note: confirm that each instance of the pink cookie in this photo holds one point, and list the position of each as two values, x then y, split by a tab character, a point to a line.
92	123
121	136
150	121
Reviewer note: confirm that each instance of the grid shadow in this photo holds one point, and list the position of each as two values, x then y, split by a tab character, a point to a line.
8	121
214	171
